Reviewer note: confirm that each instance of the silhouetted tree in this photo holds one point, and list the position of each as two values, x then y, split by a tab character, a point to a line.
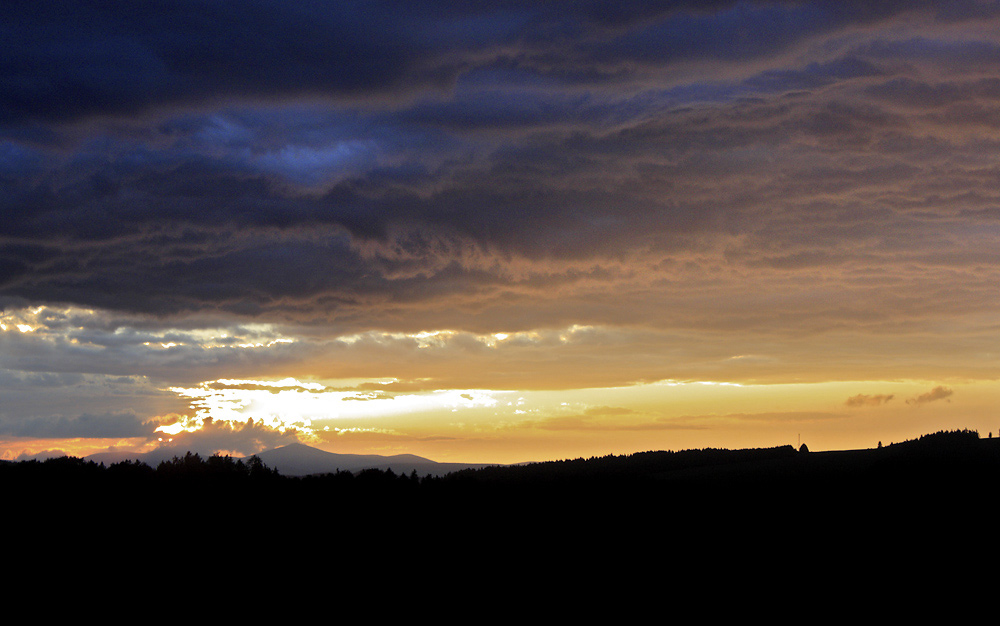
258	470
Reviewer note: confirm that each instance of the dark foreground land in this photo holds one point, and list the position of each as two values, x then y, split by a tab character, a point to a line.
760	520
956	471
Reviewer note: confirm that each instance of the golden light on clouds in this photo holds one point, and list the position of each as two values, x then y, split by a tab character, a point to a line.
502	424
432	416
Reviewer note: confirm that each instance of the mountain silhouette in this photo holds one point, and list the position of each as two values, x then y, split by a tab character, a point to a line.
301	460
696	512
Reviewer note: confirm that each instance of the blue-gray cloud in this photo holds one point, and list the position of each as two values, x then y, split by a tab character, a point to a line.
367	163
78	59
110	425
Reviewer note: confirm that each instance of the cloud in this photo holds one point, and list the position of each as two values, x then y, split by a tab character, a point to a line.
370	395
688	180
127	63
937	393
226	437
863	400
196	54
607	411
591	423
596	421
109	425
773	416
41	455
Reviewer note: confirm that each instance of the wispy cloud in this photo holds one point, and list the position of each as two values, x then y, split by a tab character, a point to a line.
863	400
937	393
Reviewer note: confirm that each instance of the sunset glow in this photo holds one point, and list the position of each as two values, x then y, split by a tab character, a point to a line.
499	233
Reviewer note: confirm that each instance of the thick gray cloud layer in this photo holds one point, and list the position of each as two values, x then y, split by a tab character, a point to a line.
74	59
754	175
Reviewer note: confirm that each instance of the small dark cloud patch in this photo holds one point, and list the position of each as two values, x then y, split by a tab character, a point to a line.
864	400
935	394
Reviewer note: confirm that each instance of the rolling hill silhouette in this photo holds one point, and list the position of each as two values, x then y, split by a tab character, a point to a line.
301	460
932	458
748	501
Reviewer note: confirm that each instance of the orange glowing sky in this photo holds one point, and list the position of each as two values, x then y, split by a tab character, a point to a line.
499	233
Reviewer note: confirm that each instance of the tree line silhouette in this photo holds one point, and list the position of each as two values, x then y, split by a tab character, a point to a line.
697	514
947	469
959	447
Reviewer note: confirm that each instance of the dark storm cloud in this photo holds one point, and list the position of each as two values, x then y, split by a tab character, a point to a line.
69	59
345	160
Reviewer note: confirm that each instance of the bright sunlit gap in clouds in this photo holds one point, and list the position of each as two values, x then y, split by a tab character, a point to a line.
661	415
289	404
430	415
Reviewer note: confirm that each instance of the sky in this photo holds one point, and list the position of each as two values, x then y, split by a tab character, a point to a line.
496	232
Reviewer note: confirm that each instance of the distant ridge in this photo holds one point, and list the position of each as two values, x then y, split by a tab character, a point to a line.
298	459
709	505
951	454
301	460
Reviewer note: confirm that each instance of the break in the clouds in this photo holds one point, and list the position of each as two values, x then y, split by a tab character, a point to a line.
494	195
